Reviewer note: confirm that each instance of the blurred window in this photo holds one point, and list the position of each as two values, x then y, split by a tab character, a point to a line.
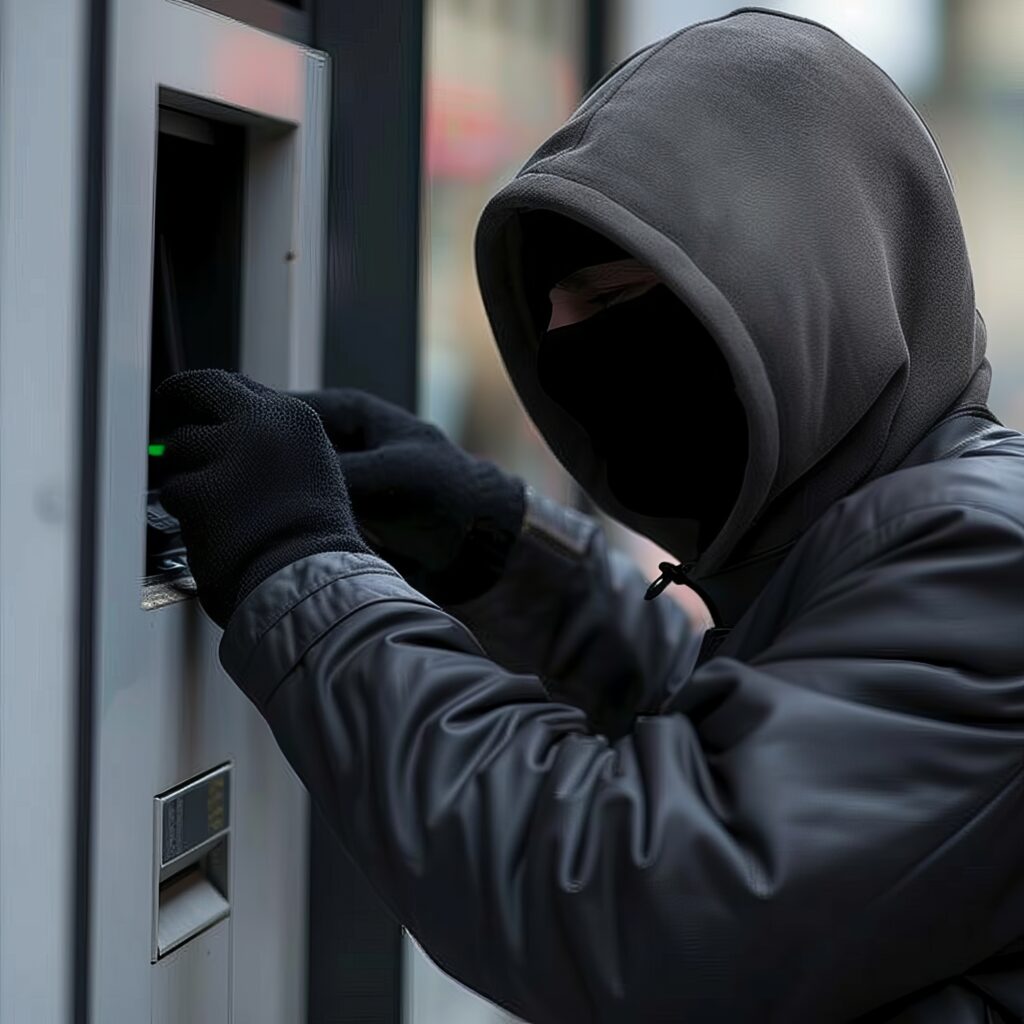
500	78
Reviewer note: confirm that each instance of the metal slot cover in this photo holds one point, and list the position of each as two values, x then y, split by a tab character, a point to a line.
188	905
190	871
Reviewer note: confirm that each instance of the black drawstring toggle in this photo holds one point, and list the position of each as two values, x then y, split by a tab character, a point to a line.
670	573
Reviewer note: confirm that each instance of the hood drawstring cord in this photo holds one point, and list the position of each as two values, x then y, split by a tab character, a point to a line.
678	574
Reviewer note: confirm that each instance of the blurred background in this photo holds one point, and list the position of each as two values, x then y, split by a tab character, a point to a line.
501	76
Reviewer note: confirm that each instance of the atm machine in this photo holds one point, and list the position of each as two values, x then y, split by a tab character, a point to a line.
157	799
215	168
164	205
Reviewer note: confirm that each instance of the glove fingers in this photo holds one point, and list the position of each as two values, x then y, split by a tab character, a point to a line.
357	421
255	387
344	415
199	396
361	470
191	446
384	479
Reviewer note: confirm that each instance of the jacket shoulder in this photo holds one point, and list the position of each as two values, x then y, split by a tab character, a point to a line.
982	485
924	566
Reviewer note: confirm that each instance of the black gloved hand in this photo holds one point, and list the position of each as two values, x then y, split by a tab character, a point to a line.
253	481
446	520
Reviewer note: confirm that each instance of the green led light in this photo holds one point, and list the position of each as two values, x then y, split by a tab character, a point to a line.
156	450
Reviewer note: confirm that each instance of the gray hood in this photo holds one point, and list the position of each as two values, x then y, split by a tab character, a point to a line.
791	196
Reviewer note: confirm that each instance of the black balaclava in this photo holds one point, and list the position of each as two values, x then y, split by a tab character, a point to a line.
639	370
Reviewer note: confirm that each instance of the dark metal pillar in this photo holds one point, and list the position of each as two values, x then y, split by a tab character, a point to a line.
371	334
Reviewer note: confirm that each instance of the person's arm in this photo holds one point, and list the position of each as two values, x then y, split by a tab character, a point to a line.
571	610
801	834
534	581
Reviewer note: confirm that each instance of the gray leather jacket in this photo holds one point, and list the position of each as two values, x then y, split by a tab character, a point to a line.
574	817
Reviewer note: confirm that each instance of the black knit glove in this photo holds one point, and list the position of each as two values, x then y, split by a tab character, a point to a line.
446	520
253	481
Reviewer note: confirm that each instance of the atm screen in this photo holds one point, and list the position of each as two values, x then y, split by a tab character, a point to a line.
197	272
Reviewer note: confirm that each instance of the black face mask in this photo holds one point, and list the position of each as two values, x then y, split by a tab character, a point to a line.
649	386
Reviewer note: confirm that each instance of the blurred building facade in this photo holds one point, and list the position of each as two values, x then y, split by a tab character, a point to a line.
500	77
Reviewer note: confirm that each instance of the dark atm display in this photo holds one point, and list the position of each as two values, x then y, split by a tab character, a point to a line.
197	275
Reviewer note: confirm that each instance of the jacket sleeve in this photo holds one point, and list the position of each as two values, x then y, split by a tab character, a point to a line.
798	836
572	611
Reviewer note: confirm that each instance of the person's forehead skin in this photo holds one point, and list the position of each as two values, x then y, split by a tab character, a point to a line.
606	275
588	291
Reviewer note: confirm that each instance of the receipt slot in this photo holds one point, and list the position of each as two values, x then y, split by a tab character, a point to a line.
213	236
191	901
191	828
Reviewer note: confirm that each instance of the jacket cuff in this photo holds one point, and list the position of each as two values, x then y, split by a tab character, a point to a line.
567	531
265	638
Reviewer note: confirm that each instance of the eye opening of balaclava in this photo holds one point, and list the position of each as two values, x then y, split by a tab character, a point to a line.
645	380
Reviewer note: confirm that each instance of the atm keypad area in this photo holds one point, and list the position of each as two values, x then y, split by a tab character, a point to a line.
196	313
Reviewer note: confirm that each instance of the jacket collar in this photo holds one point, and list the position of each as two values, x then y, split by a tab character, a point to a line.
732	590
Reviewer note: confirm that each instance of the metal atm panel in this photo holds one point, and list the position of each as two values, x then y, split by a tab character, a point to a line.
165	712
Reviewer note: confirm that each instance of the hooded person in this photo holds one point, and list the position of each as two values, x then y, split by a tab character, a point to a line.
733	294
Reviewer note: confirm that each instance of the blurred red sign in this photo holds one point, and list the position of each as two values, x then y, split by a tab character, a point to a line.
468	134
